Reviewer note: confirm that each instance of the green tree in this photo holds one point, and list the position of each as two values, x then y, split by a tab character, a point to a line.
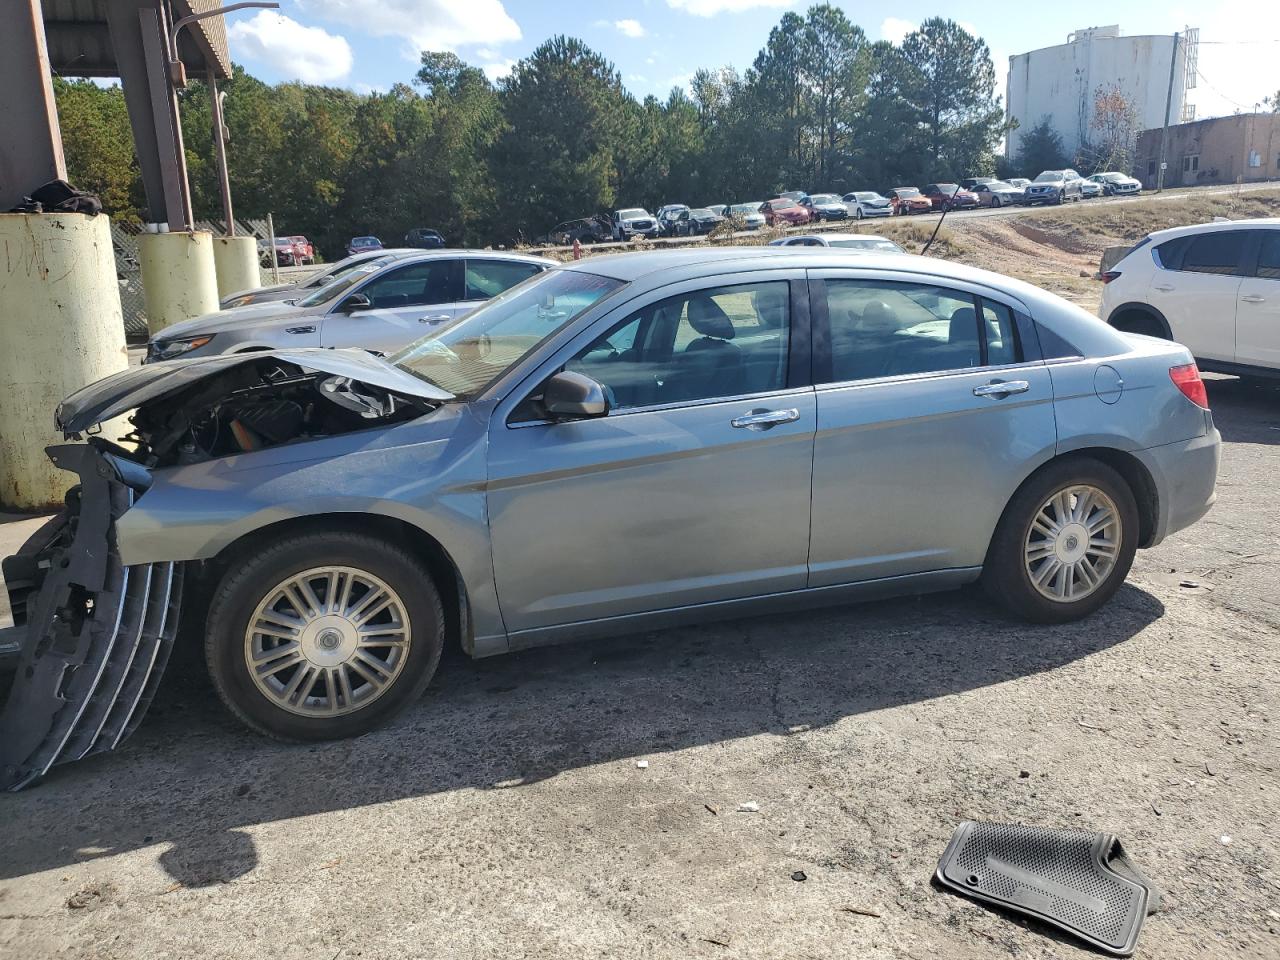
886	149
834	68
98	145
567	118
951	83
1040	148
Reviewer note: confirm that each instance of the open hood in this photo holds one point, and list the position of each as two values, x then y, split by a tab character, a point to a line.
128	389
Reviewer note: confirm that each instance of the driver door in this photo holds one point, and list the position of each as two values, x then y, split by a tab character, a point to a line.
694	489
405	303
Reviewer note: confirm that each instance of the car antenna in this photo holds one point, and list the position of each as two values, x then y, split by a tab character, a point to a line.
938	225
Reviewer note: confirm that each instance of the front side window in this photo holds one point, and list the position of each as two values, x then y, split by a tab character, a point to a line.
1269	255
703	345
1221	251
466	356
883	328
417	284
488	278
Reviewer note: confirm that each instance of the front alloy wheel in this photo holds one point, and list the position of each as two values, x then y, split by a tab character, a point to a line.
305	650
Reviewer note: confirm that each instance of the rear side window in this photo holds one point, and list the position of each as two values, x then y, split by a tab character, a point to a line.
1220	252
488	278
1269	255
1001	332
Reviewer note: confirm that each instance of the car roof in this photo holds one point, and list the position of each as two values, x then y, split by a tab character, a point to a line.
1265	223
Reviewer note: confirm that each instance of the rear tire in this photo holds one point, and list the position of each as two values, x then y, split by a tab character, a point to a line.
363	667
1065	543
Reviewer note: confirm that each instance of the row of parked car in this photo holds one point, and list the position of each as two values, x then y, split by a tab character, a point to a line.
798	207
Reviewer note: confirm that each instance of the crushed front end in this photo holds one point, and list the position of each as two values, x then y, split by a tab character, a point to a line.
94	635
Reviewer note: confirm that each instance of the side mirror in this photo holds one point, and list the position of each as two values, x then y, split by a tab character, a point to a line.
574	396
357	301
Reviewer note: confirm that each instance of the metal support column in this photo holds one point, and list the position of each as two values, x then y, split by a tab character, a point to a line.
30	144
220	148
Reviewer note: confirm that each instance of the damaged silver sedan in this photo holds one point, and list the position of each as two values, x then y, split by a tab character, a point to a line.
623	443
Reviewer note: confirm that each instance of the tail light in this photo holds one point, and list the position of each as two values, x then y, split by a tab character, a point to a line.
1106	276
1186	378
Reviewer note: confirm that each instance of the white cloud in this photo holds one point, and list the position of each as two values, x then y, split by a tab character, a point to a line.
894	29
709	8
629	28
295	51
496	71
423	24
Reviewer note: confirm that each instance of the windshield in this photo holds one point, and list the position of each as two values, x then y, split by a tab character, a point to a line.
1049	176
867	196
325	277
344	283
702	212
947	187
907	192
469	354
631	214
365	241
824	198
745	208
999	185
783	204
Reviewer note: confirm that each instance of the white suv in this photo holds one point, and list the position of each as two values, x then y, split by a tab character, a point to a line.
1213	287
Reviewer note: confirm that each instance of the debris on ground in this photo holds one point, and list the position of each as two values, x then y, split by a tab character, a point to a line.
749	807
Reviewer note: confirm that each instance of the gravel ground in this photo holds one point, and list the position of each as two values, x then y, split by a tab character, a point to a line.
506	815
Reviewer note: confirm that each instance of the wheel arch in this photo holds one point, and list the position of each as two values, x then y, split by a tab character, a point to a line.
1131	470
1137	309
443	569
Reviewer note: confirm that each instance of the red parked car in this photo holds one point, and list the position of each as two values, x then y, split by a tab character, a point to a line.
909	200
780	210
303	251
950	196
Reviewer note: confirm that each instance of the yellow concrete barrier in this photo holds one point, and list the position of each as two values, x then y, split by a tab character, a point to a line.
235	260
178	277
60	328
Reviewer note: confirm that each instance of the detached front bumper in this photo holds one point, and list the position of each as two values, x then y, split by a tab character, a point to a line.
94	635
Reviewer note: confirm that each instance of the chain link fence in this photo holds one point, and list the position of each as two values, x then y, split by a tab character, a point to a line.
124	240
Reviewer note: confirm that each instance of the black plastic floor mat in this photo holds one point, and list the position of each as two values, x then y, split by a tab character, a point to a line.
1080	882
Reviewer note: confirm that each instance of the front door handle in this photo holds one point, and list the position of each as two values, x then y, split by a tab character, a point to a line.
1164	287
764	419
1253	298
1001	388
435	318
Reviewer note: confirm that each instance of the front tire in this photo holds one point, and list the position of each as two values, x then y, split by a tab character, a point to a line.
323	635
1065	543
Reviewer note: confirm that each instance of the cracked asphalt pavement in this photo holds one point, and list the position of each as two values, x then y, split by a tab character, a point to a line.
506	815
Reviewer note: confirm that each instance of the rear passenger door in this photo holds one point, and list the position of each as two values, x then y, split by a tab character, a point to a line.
1197	287
405	302
933	406
484	279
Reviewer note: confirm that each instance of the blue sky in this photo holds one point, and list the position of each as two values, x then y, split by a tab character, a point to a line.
656	44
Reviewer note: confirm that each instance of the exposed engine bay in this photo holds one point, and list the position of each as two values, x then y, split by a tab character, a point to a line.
259	405
92	635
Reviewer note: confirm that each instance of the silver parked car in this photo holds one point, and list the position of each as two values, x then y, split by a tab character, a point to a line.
868	242
868	203
380	305
623	443
321	278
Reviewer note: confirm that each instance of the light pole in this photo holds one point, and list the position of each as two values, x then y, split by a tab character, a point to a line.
178	77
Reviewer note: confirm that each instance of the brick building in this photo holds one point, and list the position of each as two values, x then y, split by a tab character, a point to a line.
1244	147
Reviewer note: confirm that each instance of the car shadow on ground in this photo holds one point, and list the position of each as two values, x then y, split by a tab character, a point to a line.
1245	411
194	778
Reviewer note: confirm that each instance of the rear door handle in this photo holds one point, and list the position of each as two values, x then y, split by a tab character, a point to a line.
1164	287
764	419
1001	388
1253	298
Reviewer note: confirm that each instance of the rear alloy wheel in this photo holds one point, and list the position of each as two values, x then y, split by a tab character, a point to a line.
302	650
1065	542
